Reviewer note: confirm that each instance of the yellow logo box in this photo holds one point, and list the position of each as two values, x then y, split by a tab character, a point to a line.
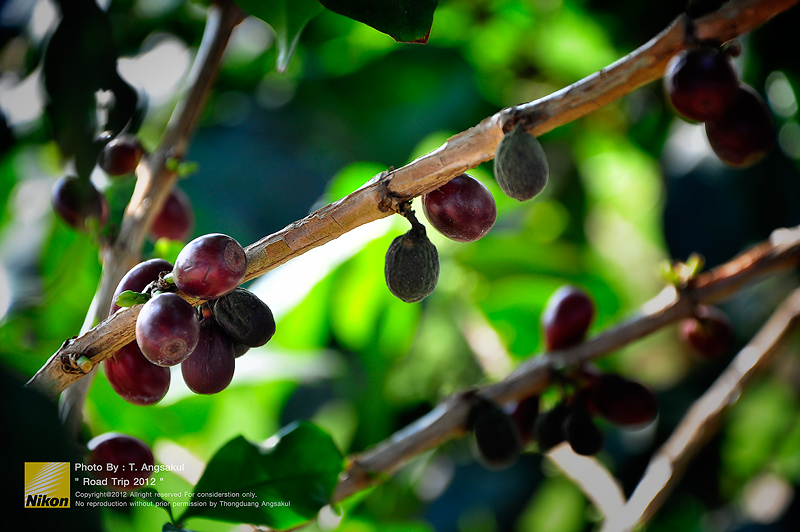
47	484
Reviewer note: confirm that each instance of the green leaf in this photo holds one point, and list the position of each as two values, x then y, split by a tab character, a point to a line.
404	20
154	497
288	18
169	527
80	60
280	486
129	298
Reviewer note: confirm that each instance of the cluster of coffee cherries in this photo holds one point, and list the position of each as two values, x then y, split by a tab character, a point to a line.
587	393
85	208
703	86
119	461
205	339
463	210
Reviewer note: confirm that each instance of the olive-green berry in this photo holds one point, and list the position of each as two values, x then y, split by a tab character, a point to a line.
520	164
412	265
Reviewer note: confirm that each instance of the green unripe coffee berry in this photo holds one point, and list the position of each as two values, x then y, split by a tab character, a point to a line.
412	264
520	164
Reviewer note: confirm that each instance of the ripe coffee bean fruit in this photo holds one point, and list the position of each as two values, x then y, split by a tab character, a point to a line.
244	317
121	155
580	431
167	329
121	450
210	266
709	332
745	132
524	414
520	164
134	378
549	427
567	317
497	441
412	265
622	401
175	220
209	369
701	83
139	277
77	201
462	209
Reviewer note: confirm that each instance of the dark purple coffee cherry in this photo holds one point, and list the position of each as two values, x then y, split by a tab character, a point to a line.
121	450
175	220
709	332
209	369
580	431
621	400
210	266
745	132
497	441
139	277
701	83
567	317
121	155
462	209
134	378
167	329
548	431
77	202
524	414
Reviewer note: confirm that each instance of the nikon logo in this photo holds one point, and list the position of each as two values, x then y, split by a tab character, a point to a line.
47	484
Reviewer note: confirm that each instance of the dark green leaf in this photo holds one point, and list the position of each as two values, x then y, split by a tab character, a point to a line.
154	497
79	61
169	527
404	20
280	486
287	18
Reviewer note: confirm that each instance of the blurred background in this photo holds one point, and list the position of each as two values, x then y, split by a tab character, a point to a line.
631	185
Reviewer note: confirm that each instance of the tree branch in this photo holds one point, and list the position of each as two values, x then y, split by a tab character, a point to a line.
380	196
533	376
153	184
703	419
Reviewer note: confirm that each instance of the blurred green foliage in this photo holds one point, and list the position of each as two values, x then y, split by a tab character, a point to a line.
630	185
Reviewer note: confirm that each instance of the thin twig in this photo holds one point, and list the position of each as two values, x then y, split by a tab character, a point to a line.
153	184
461	152
533	376
592	477
703	419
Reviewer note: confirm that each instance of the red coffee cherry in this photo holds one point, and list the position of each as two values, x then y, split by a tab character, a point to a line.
745	132
121	155
701	83
462	209
210	266
114	453
567	317
709	332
